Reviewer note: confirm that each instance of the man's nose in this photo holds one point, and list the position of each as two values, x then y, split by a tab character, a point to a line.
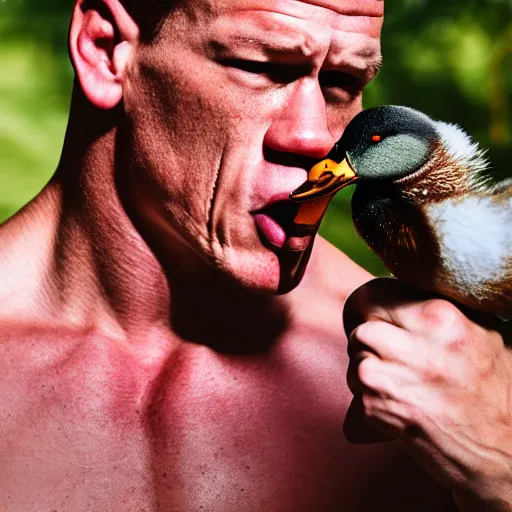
300	127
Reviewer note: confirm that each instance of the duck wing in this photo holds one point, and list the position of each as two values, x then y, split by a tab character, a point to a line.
474	233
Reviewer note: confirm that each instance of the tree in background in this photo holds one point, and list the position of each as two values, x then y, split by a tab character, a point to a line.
449	58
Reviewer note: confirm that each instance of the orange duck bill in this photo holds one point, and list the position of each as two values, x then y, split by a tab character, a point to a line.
324	179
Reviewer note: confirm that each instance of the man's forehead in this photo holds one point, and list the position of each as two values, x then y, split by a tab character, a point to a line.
346	29
371	8
363	16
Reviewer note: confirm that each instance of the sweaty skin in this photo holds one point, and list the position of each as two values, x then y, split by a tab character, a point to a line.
148	364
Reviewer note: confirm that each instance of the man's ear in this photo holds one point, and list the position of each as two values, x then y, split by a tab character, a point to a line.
102	36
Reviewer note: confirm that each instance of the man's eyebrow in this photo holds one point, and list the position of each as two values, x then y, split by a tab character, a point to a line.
365	71
290	45
376	65
366	65
251	41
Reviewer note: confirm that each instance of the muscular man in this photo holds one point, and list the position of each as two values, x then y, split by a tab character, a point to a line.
148	363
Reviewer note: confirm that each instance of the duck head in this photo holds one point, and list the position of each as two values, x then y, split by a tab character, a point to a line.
380	145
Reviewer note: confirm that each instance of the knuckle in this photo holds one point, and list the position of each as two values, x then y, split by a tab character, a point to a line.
369	404
440	312
442	317
364	372
435	371
364	333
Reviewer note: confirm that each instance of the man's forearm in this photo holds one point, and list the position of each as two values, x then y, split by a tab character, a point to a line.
492	491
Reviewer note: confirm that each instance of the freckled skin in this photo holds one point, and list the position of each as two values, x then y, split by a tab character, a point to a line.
148	363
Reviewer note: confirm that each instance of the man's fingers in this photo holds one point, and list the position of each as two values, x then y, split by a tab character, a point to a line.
368	373
386	340
382	382
372	418
353	373
392	301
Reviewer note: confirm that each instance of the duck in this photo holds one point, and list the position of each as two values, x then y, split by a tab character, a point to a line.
424	202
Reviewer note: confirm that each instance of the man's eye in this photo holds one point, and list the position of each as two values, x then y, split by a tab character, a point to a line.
251	66
340	80
275	71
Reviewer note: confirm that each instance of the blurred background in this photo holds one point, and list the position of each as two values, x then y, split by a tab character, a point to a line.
449	58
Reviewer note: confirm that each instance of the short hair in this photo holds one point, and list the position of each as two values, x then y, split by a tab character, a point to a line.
149	15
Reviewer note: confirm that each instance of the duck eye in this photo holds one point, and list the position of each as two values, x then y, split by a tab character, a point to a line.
376	138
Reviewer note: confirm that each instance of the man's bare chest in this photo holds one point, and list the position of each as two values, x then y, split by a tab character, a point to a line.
204	433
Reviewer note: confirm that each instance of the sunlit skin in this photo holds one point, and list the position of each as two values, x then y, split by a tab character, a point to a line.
148	362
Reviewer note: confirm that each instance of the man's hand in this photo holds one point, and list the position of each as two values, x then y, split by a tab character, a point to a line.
424	373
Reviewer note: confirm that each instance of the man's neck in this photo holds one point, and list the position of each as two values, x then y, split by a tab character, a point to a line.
95	271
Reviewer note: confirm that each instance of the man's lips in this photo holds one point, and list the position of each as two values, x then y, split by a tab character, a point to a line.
270	229
276	223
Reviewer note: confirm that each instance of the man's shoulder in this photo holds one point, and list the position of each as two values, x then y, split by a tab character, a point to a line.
48	366
27	345
35	371
45	349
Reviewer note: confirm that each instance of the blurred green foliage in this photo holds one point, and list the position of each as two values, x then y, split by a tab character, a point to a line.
449	58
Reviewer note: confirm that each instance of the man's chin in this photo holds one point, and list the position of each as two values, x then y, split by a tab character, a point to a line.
255	272
268	273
